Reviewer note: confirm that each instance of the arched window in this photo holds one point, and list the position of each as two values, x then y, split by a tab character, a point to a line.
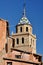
26	29
13	42
22	40
20	29
17	41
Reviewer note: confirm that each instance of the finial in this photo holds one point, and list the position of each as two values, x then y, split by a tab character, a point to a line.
24	12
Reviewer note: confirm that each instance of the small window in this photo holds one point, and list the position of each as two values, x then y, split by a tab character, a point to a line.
22	40
20	29
13	42
18	56
9	63
17	41
26	29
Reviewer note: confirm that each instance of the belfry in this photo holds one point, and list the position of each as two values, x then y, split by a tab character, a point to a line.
24	38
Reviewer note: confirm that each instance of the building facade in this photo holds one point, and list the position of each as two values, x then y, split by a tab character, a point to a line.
4	32
20	47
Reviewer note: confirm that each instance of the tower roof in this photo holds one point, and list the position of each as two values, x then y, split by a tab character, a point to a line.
24	19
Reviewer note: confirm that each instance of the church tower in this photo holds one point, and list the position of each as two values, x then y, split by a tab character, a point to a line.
24	39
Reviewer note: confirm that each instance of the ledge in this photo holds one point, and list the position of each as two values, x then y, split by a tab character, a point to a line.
20	60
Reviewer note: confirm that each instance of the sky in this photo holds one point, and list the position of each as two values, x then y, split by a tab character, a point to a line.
12	11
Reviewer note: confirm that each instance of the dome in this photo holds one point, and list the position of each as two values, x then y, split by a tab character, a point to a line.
24	20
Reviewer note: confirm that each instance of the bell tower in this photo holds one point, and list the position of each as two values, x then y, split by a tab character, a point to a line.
24	38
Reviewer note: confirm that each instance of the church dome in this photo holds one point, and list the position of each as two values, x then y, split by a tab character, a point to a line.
24	20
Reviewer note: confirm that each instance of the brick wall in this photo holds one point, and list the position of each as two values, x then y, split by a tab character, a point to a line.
3	32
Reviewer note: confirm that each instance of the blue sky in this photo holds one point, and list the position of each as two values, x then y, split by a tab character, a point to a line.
12	10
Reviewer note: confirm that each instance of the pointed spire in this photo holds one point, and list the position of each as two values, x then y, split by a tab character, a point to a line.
24	11
24	19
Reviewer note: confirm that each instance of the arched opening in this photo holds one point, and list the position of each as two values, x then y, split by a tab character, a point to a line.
22	40
20	29
17	41
26	29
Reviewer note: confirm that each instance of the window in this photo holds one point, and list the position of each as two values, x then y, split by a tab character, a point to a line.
26	29
22	40
9	63
20	29
17	41
18	56
13	42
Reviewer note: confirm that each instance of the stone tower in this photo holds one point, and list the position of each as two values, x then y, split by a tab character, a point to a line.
24	39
